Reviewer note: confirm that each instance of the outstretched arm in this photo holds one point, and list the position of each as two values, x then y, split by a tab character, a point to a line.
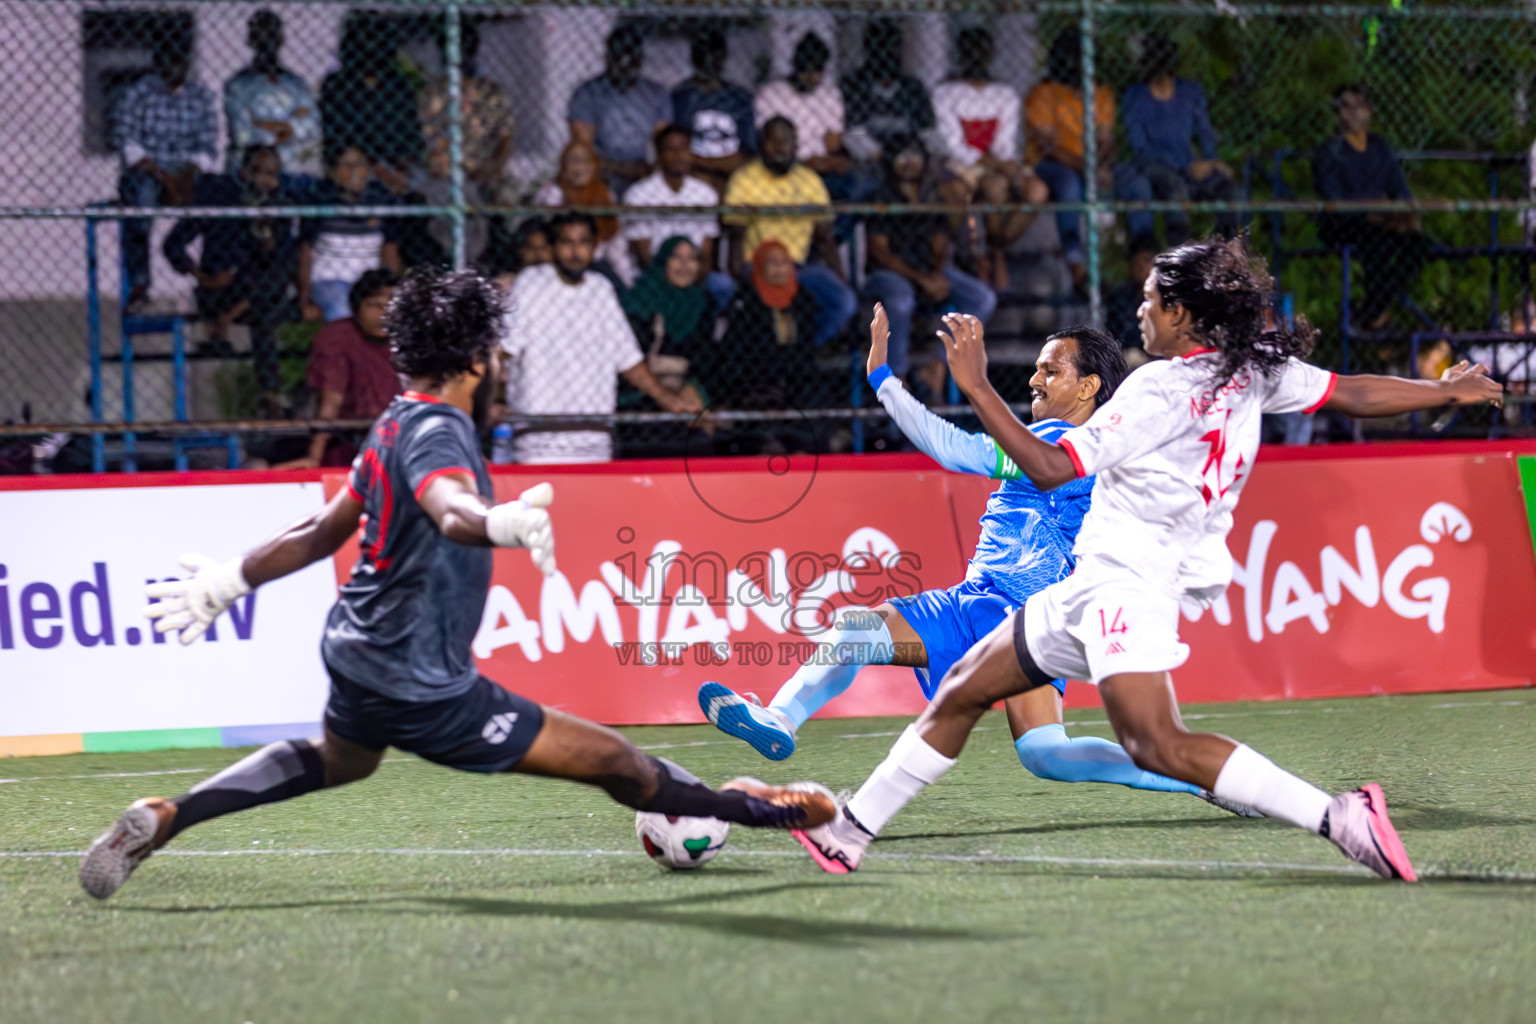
189	606
948	445
1366	395
1046	464
307	541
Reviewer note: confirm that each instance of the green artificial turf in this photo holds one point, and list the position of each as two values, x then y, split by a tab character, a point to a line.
996	896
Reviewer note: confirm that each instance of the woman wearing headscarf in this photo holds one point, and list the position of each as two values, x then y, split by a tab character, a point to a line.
672	312
767	359
578	183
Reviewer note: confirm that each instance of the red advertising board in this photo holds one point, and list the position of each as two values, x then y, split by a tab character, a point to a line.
670	575
1376	573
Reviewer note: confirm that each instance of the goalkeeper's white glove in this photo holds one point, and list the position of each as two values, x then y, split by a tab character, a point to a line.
524	523
190	605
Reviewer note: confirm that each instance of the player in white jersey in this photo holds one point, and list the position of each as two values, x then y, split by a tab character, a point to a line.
1172	450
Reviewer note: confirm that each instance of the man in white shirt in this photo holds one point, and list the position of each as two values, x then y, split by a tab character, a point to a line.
567	341
1171	451
672	184
977	118
809	99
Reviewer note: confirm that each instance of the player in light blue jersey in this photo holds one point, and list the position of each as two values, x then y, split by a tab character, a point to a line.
1025	546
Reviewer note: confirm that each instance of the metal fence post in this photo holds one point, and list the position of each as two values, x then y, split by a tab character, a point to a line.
1091	169
453	55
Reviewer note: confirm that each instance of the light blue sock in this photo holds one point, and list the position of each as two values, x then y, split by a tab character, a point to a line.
860	638
1051	754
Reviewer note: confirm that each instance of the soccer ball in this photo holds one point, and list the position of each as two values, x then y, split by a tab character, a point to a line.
680	843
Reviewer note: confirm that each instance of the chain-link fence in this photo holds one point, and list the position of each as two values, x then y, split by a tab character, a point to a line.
694	205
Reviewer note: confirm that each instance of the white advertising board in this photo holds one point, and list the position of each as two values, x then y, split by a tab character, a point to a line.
77	654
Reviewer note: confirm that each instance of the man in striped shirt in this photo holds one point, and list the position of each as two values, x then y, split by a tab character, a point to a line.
166	129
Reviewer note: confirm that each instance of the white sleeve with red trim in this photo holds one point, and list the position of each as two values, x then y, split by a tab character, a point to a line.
1142	416
1299	387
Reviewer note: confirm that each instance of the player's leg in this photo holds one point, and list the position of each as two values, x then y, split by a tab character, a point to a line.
989	672
567	747
1044	748
881	636
1041	741
1145	716
278	771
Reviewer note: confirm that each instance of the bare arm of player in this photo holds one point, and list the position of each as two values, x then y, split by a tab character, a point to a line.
189	606
465	517
1366	395
457	509
1046	464
307	541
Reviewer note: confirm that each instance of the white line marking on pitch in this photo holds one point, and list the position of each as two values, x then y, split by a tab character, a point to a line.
942	858
1452	705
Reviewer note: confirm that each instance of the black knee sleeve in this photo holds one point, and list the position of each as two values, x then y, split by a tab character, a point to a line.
278	771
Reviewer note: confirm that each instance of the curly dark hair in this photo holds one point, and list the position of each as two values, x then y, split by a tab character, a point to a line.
440	324
1226	291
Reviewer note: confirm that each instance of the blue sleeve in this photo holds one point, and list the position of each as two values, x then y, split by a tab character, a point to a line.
584	104
746	123
1396	184
208	128
1202	118
1325	174
936	437
1135	120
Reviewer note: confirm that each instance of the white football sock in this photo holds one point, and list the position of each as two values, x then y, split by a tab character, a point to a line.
1251	779
911	766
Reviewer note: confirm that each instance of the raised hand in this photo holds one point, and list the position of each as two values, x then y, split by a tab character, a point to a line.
1470	384
963	339
879	338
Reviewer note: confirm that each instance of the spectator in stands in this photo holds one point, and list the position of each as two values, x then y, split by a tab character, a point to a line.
430	185
568	339
766	358
673	185
978	118
370	104
350	373
1012	184
1053	115
810	100
777	179
246	265
1357	164
335	251
909	254
673	314
485	119
166	130
1122	304
1161	114
265	104
578	183
881	102
618	112
718	113
528	246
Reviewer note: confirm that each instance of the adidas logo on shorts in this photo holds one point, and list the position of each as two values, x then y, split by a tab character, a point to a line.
499	727
1114	648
